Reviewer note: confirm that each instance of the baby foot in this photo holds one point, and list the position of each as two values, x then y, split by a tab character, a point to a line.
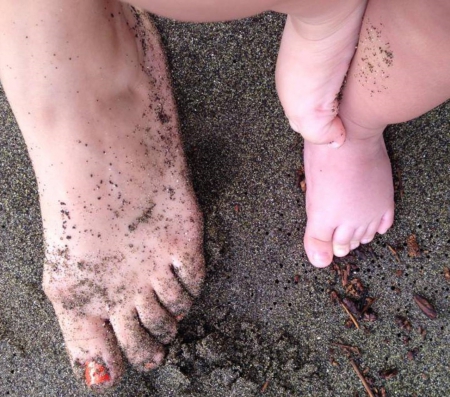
122	228
314	57
349	196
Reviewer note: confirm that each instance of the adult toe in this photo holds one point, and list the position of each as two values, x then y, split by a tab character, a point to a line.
156	319
141	349
190	271
171	294
92	347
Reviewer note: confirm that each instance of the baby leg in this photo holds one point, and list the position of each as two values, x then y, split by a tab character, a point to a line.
400	70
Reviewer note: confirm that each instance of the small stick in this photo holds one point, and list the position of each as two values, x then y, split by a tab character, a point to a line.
354	349
335	298
361	377
370	302
352	317
264	387
394	252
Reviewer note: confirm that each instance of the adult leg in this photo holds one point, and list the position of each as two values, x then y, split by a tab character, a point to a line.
399	72
122	229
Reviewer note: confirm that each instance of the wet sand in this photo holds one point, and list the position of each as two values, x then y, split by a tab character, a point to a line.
265	322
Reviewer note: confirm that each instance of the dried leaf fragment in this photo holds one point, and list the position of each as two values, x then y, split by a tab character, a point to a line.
412	354
389	373
301	182
426	307
370	316
352	306
369	302
422	332
355	288
303	185
334	296
413	247
403	323
447	273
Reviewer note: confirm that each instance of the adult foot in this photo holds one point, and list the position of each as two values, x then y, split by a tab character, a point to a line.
349	196
122	228
314	57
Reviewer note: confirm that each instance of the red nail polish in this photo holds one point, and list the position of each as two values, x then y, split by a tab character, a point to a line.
96	373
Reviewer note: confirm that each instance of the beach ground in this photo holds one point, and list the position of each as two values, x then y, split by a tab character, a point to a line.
265	323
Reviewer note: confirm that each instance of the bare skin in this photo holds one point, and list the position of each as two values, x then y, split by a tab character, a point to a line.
123	232
122	229
314	56
397	74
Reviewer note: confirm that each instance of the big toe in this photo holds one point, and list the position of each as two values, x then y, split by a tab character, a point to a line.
318	246
92	347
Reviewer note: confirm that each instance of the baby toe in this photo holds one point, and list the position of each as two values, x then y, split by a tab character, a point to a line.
386	222
318	245
357	236
342	238
354	244
370	233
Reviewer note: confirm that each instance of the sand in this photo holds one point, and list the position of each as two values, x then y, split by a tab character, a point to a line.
265	322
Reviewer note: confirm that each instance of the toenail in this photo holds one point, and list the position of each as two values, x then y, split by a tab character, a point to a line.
180	317
150	365
341	251
354	244
321	257
96	373
365	241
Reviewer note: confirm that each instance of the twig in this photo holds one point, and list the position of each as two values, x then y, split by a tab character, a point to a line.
361	377
394	252
264	387
370	302
347	348
335	298
352	317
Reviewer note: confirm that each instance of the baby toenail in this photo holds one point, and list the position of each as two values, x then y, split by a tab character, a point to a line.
340	251
180	317
354	244
365	241
96	373
321	256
